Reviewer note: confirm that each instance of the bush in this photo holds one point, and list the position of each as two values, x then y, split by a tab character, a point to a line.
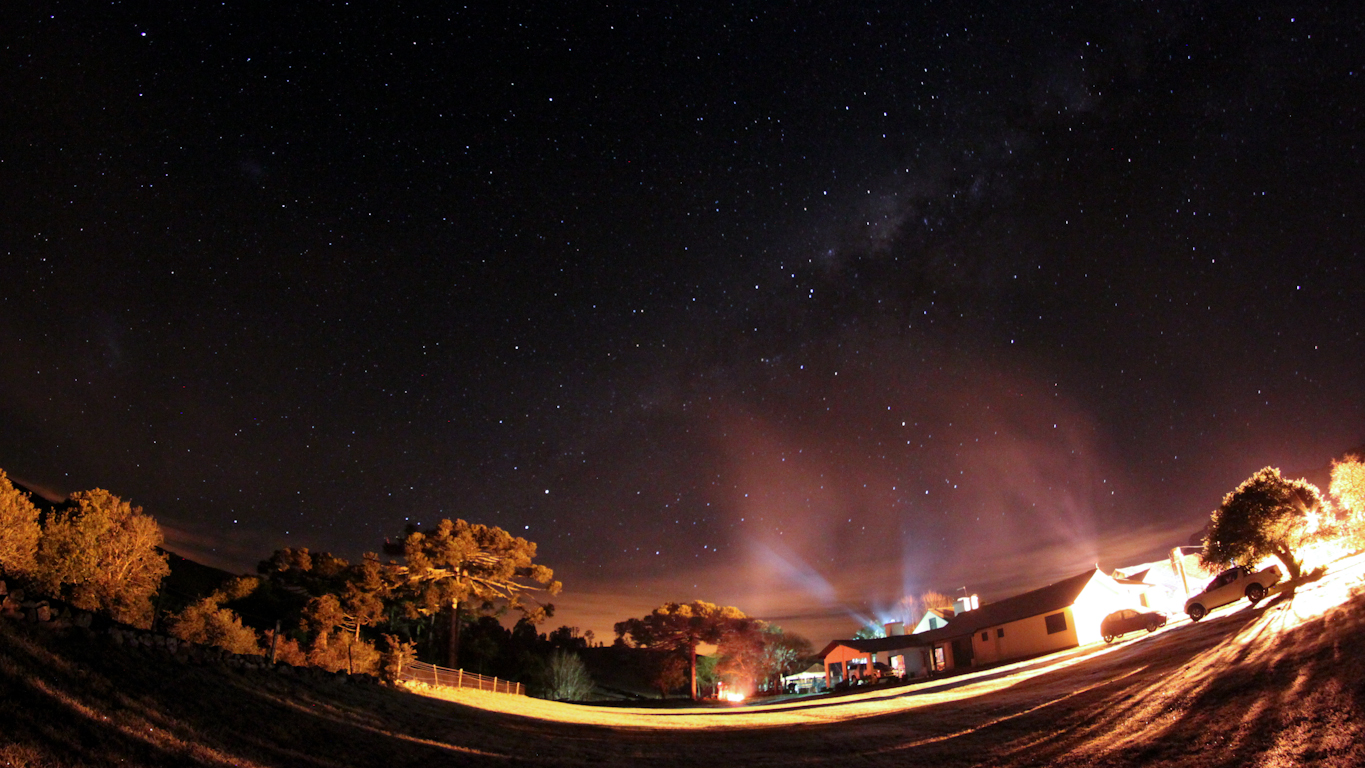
397	654
102	555
18	529
207	622
566	678
1348	489
341	651
287	649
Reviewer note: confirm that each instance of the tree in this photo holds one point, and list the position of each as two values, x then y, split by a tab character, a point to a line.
784	653
207	622
353	656
743	662
567	638
907	611
1348	488
667	671
566	678
682	627
935	601
462	564
302	571
1266	516
929	600
869	631
484	642
342	598
358	603
18	529
102	554
397	654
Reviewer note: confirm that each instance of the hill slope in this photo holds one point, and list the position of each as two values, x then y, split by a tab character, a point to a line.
1281	684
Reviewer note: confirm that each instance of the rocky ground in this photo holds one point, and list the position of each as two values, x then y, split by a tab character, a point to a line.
1280	684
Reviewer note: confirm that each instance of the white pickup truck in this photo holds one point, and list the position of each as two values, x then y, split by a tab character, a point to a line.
1230	586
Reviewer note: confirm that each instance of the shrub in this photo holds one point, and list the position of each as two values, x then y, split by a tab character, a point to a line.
566	678
1348	489
338	651
102	555
287	649
397	654
207	623
18	529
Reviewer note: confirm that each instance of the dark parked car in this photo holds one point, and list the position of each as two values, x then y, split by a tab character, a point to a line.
1122	622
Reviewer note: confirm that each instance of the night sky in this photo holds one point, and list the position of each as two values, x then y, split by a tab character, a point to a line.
791	306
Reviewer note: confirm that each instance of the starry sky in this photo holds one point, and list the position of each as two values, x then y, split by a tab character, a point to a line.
794	306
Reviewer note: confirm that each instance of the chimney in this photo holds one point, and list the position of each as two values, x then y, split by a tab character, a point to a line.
966	603
895	628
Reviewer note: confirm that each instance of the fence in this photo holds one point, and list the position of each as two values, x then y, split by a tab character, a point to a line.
457	678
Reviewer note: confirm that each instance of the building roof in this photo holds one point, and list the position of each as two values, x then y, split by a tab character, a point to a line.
814	670
1053	597
876	644
943	613
1136	578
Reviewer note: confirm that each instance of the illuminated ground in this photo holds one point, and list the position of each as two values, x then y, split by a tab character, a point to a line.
1281	684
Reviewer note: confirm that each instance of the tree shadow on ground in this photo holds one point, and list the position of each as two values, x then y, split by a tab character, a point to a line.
80	701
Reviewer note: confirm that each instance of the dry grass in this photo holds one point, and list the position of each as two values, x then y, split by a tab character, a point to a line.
1279	685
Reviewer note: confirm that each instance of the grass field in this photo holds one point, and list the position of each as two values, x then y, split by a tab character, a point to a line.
1280	684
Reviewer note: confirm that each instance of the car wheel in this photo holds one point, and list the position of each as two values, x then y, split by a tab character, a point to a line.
1196	612
1152	625
1108	639
1255	593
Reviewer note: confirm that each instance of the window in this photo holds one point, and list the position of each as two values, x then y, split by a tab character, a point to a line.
1000	632
933	622
985	635
1055	623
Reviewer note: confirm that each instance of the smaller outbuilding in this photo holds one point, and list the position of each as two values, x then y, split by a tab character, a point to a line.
874	658
809	680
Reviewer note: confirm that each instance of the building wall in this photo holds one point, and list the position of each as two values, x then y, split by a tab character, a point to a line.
1029	636
927	622
843	655
1101	597
1022	638
855	662
913	661
944	652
